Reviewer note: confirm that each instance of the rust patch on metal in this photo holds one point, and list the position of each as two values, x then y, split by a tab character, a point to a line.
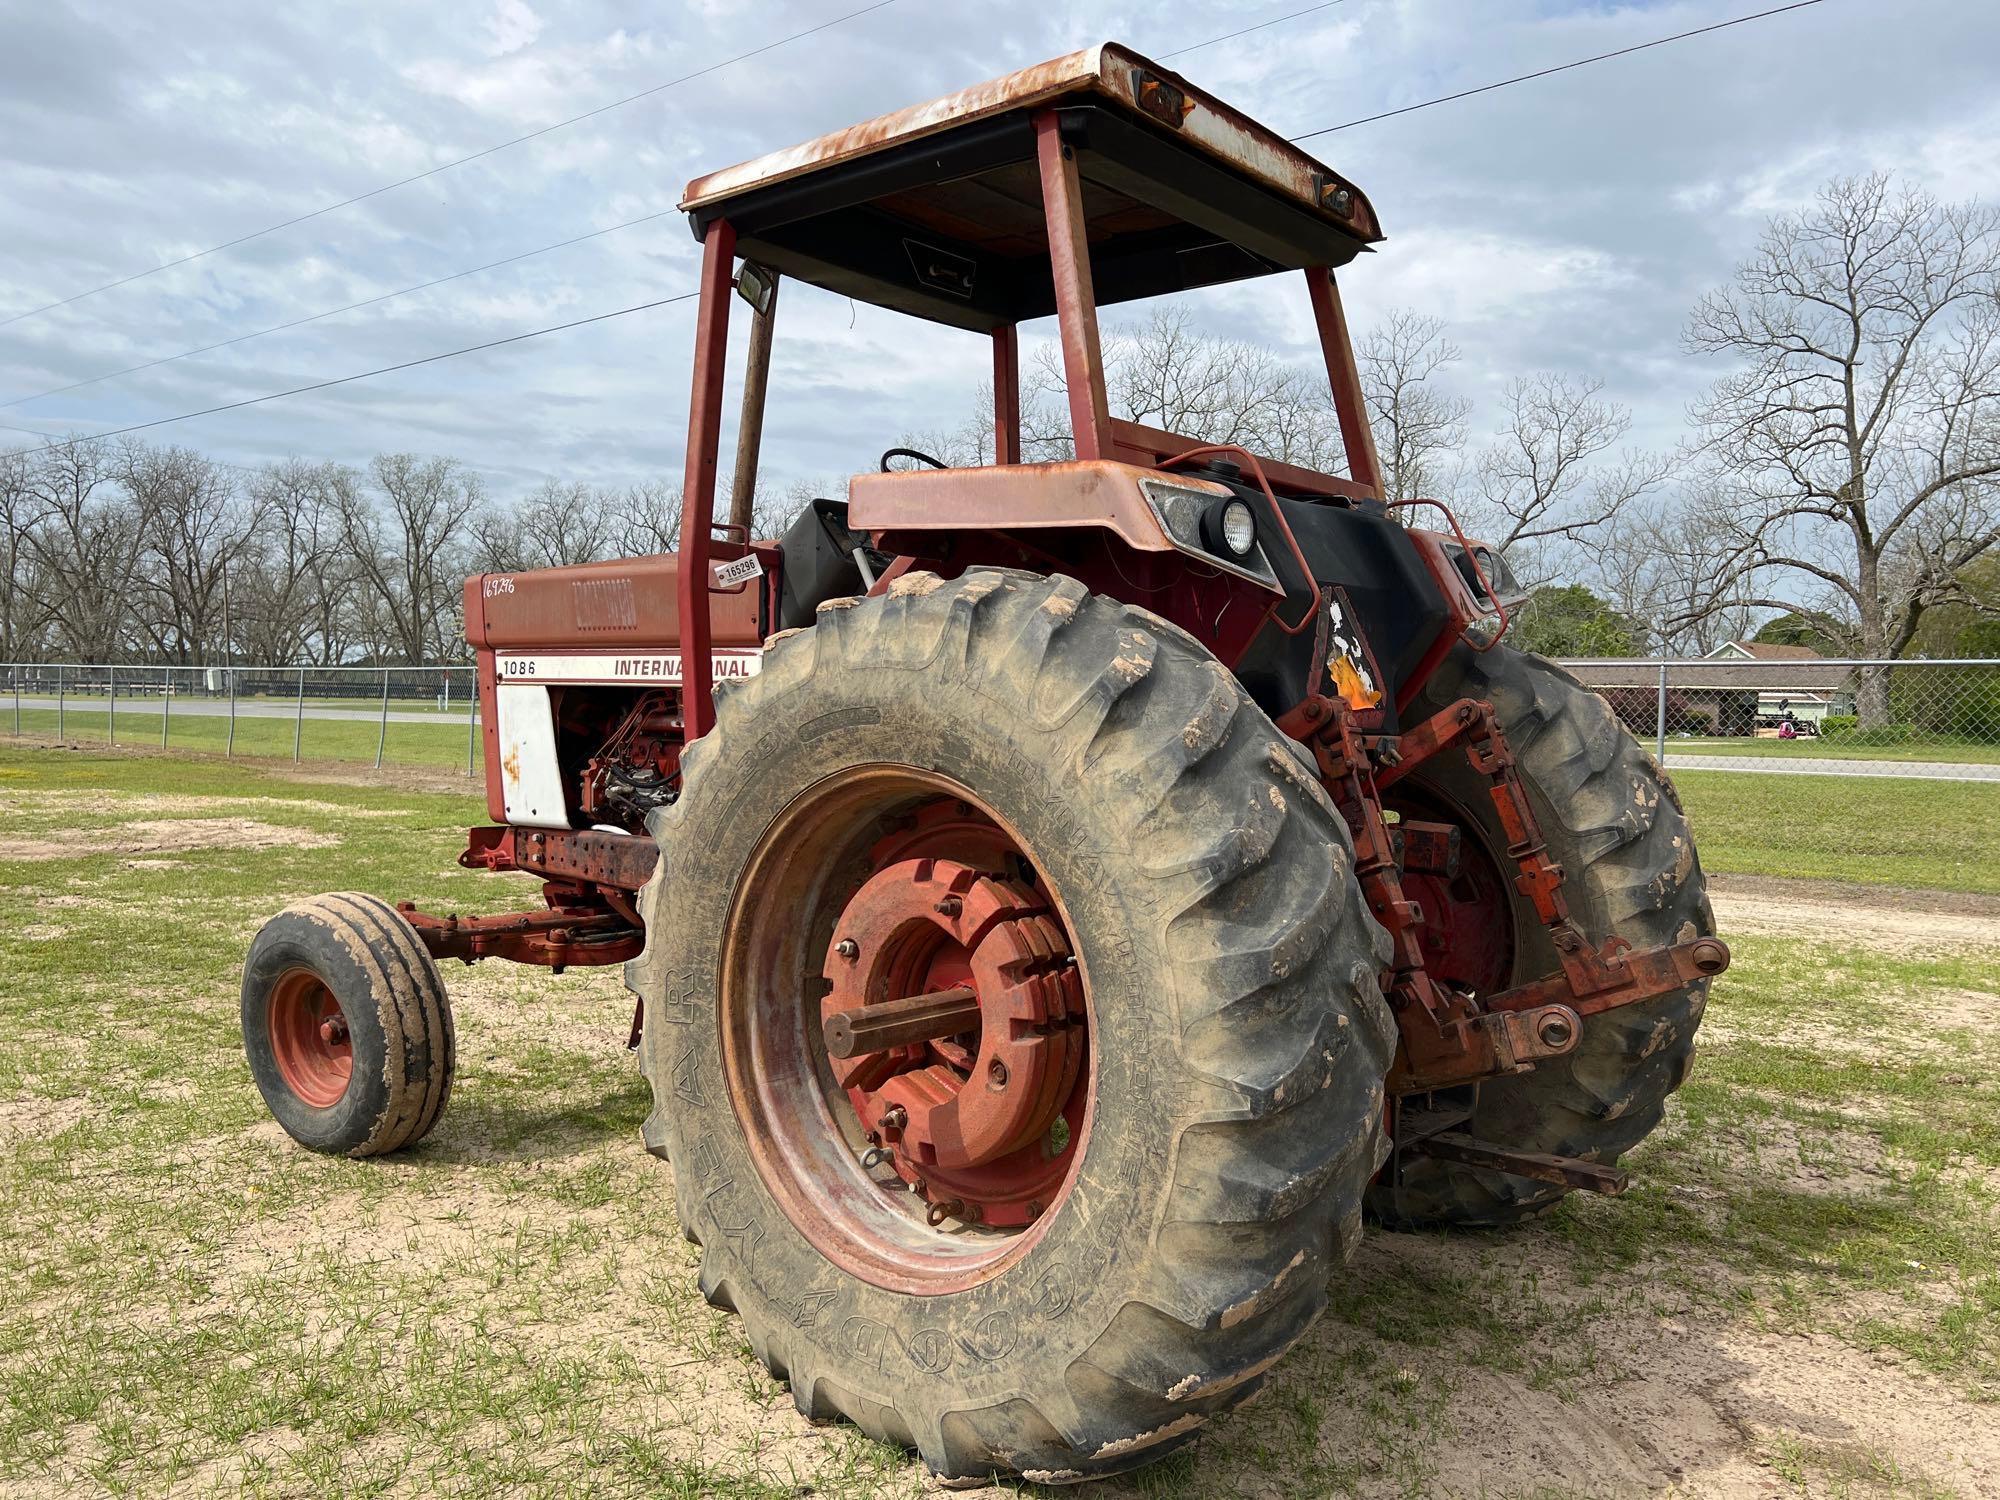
1108	74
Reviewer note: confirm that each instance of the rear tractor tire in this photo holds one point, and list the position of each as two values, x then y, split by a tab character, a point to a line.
1059	1239
347	1026
1612	820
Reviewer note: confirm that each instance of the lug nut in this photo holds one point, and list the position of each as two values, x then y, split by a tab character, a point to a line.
895	1118
950	906
996	1074
848	949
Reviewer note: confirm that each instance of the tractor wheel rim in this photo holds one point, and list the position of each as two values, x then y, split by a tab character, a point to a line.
924	1167
1469	919
309	1039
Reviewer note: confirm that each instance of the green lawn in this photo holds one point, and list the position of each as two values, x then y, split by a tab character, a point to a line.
1930	751
1927	835
442	745
189	1303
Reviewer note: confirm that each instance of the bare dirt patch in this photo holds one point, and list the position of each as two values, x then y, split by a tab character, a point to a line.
1650	1396
1891	920
21	1119
1702	1412
164	836
171	804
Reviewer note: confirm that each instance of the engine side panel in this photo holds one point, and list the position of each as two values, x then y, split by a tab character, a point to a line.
609	606
564	654
531	789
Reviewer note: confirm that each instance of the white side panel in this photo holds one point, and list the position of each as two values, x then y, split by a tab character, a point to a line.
650	669
530	780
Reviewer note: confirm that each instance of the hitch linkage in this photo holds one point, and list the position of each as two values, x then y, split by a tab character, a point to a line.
1449	1037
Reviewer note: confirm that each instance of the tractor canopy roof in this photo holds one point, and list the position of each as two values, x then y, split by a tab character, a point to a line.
937	210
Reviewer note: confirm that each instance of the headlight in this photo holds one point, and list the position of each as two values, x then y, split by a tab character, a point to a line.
1204	519
1239	528
1229	529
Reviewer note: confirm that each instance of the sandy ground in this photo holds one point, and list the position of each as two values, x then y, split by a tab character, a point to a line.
1681	1400
1899	921
1685	1404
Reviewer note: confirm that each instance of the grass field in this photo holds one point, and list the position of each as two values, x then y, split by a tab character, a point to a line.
1925	835
442	745
1801	1296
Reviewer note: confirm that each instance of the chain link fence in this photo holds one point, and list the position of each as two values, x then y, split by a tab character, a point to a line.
414	716
1802	714
1859	773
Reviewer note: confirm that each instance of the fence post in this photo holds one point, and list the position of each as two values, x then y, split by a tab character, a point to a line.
111	712
299	725
471	722
166	703
229	746
62	722
1660	720
15	673
382	739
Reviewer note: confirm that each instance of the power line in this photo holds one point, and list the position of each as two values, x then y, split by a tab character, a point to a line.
256	234
241	338
686	296
408	364
512	259
1581	62
1231	36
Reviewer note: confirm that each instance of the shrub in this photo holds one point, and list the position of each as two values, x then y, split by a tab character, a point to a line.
1841	726
1976	714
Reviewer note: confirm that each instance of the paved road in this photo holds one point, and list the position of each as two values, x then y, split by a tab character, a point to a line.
1819	765
246	708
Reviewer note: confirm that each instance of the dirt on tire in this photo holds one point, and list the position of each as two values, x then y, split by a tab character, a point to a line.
1611	820
1241	1040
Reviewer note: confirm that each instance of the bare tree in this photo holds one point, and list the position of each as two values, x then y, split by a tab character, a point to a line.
1863	422
1671	569
195	530
1420	429
1166	373
645	519
293	593
85	542
21	611
1550	478
410	550
557	524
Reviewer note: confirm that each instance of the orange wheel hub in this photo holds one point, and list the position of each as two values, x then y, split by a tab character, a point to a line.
970	1116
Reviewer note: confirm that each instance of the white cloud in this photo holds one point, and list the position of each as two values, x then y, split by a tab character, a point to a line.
1567	223
512	26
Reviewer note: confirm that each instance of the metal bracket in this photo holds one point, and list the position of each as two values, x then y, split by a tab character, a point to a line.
1563	1171
1451	1038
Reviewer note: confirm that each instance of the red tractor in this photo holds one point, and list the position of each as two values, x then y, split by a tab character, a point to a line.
1063	899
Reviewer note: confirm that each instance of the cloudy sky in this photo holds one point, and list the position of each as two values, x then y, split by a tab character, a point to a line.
1566	223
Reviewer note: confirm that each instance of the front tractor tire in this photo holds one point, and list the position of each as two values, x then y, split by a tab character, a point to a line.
1613	821
347	1026
1062	1237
